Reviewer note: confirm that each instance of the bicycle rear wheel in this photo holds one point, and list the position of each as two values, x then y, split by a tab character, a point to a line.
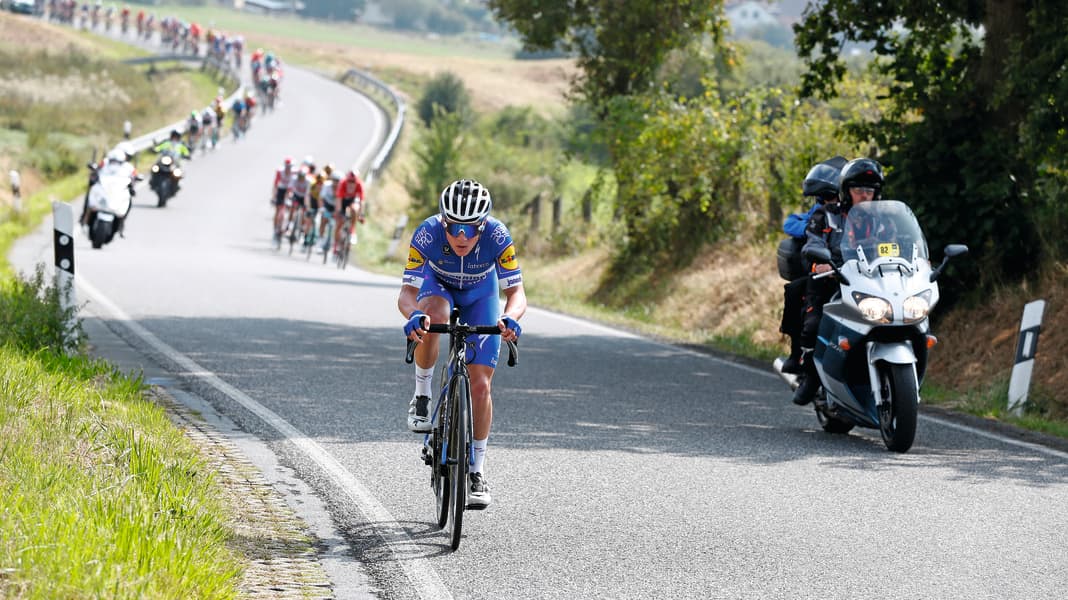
458	447
439	478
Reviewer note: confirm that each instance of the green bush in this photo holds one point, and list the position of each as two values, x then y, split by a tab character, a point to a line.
33	316
447	91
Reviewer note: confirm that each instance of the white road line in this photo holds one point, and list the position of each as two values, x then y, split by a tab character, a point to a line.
425	580
994	436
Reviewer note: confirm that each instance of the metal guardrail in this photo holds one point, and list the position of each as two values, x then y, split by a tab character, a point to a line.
364	80
151	138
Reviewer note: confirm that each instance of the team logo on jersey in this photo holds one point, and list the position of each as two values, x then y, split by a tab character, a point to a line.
423	238
500	233
415	259
446	249
507	259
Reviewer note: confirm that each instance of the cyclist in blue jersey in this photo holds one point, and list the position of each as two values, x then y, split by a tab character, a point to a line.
461	256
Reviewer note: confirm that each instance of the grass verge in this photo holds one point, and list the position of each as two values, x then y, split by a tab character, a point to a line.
101	495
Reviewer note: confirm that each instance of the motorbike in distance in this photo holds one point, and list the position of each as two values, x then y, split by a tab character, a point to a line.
166	175
872	348
109	199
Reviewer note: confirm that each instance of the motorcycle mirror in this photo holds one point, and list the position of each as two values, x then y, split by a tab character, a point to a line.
951	251
954	250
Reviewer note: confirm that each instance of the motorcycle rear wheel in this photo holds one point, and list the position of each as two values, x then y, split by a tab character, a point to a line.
897	418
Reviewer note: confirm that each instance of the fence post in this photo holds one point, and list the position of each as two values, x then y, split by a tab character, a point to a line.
1026	347
535	212
557	206
63	247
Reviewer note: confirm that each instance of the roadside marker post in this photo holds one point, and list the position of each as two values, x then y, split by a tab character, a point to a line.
1026	347
16	190
402	222
63	246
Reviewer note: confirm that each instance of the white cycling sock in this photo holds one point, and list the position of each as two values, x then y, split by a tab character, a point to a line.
480	455
423	378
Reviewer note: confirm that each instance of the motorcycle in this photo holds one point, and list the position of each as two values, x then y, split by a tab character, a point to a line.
166	175
109	200
874	336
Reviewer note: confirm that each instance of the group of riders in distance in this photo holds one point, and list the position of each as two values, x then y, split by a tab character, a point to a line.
177	35
319	207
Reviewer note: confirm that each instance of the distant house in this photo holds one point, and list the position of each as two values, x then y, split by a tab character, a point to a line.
751	15
269	7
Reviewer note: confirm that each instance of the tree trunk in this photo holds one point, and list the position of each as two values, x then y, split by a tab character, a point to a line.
1006	28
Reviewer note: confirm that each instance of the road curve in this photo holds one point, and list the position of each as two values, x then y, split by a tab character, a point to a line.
621	467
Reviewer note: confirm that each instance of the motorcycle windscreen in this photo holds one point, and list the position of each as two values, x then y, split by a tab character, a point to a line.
883	229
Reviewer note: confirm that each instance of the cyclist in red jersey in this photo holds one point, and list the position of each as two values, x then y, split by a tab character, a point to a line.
350	191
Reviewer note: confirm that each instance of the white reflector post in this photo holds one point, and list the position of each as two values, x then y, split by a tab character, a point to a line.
1026	347
63	244
402	222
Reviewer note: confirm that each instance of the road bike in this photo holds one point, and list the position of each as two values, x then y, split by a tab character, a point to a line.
448	448
341	252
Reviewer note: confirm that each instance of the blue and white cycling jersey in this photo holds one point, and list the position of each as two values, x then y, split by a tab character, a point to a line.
492	263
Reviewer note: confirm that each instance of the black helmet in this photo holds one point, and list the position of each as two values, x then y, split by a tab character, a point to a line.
821	182
859	172
175	134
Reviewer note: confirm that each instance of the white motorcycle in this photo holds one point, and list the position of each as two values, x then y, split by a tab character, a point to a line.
109	199
871	351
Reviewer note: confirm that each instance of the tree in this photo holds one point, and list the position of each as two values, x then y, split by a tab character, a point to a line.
977	126
447	92
620	45
437	155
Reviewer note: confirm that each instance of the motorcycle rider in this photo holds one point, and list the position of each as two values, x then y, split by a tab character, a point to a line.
115	164
176	149
173	145
861	180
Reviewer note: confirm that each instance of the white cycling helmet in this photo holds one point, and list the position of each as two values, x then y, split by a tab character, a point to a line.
465	201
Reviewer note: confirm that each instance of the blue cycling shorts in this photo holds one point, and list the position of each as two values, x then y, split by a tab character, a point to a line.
484	310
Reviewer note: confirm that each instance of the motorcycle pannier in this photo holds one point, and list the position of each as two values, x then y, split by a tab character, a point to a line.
789	258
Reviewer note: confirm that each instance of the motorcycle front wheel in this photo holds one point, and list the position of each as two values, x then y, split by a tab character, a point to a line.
897	418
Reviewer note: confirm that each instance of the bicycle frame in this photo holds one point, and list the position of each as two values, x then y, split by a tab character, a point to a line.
448	474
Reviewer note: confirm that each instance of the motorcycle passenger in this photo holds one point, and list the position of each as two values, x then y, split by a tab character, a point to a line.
461	257
861	180
821	186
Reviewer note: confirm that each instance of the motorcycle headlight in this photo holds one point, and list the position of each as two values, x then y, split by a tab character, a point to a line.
177	173
166	160
873	308
917	307
155	168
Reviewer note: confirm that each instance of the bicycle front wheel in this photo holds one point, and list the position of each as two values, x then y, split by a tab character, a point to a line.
459	447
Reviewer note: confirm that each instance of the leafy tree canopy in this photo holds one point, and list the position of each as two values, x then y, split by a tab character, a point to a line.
979	109
620	45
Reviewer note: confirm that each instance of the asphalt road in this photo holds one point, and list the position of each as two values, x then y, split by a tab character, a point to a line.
620	467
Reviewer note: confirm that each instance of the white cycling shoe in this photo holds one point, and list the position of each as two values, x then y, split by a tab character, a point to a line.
419	414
